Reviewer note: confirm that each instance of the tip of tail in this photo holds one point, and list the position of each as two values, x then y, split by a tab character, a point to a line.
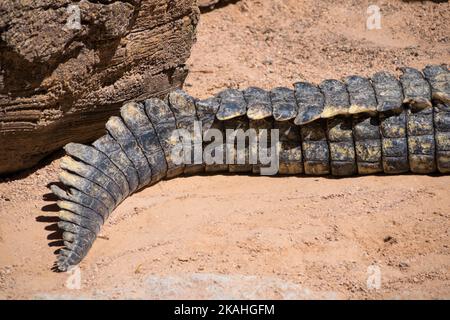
63	263
62	266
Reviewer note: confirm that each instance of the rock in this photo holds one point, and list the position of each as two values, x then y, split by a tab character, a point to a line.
390	240
210	4
67	66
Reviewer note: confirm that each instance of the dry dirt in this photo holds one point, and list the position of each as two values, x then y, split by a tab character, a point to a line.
260	237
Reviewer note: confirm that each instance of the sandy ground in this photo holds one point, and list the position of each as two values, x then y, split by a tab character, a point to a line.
259	237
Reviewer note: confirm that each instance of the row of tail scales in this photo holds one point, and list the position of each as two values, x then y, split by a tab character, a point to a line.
354	126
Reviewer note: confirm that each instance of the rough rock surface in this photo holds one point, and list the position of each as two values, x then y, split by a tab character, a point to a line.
67	66
207	4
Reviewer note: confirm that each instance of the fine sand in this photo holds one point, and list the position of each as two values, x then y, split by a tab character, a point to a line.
230	236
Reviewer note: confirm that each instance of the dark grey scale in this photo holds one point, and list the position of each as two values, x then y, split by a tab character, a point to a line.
259	114
365	129
237	149
290	156
232	111
336	98
163	121
81	198
67	258
439	78
76	234
366	134
206	113
87	213
361	94
388	91
134	116
88	187
285	110
123	136
80	231
69	236
75	229
316	155
79	220
394	142
70	257
93	174
419	121
79	248
421	146
259	106
342	148
232	104
100	161
284	105
76	237
442	136
310	103
183	108
416	90
262	129
215	150
82	240
114	152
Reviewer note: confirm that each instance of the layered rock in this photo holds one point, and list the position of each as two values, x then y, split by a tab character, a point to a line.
66	66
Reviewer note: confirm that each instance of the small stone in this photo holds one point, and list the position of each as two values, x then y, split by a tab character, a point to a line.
390	240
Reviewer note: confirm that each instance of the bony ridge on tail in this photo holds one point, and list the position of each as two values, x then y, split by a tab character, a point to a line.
354	126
